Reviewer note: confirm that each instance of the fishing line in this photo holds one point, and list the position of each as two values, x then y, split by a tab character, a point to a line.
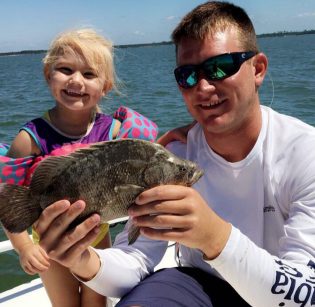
273	88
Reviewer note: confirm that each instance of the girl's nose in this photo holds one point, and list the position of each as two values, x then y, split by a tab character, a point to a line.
76	77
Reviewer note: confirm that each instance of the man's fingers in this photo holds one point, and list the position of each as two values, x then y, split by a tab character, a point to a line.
50	230
49	214
164	221
174	200
75	251
163	192
84	232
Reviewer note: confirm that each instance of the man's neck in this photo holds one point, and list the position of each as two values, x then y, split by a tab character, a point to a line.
236	145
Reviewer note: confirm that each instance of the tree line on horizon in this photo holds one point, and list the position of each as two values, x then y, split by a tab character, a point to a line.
285	33
274	34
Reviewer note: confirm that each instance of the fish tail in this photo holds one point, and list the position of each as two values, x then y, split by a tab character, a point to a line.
133	234
18	210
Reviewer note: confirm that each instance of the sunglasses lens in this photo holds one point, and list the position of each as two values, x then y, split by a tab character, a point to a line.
215	68
220	67
186	76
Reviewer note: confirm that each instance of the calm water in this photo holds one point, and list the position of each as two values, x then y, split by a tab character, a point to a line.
147	85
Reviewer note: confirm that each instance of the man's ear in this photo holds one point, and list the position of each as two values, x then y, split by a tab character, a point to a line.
261	64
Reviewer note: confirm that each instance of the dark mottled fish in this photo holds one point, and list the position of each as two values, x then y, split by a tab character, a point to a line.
108	176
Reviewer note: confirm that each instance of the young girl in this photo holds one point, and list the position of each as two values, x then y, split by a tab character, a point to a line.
79	71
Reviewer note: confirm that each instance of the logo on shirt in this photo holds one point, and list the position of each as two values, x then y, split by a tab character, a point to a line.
269	209
293	285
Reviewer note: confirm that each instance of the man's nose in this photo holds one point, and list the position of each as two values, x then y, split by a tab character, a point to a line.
204	83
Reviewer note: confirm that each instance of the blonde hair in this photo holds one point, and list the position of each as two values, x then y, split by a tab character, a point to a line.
214	16
91	47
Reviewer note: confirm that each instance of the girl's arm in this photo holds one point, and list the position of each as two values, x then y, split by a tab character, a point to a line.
176	134
32	258
22	146
116	128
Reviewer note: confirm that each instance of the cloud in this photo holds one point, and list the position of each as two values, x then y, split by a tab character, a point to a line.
137	32
307	14
170	17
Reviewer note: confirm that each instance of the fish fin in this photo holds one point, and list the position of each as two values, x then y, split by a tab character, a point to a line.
124	149
133	234
17	210
82	153
53	166
47	170
128	192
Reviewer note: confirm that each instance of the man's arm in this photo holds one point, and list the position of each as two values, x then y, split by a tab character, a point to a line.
101	270
262	279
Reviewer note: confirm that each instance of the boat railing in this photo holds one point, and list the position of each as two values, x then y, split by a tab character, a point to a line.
6	245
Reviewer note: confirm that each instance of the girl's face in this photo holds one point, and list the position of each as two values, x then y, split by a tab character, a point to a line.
74	84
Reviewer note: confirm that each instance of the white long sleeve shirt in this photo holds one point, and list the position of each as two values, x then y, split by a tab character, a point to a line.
269	198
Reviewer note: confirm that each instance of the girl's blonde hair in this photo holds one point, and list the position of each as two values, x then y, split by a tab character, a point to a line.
93	48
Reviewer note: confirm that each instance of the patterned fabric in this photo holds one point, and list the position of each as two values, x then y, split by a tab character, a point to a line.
135	125
13	171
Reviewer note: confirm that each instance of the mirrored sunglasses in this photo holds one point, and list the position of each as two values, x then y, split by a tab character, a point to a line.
215	68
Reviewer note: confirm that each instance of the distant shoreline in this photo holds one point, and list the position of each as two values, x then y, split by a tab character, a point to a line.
275	34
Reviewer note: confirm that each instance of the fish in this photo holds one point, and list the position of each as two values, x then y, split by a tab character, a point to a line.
108	176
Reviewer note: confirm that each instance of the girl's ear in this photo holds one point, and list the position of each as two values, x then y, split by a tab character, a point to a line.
47	73
104	92
108	86
261	64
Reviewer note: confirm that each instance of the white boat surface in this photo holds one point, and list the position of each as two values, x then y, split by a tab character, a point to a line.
33	293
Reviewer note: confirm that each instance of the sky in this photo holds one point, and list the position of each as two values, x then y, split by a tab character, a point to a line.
32	24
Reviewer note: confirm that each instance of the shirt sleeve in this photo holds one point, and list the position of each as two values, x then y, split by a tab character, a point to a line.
262	279
132	262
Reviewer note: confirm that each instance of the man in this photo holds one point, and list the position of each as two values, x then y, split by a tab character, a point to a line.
247	229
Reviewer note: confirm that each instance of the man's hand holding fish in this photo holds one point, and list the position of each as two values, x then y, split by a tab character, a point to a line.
69	248
180	214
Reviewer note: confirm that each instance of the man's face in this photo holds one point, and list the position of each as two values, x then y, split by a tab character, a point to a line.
221	106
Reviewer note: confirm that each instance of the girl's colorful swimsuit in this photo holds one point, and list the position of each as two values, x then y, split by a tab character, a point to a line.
48	138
